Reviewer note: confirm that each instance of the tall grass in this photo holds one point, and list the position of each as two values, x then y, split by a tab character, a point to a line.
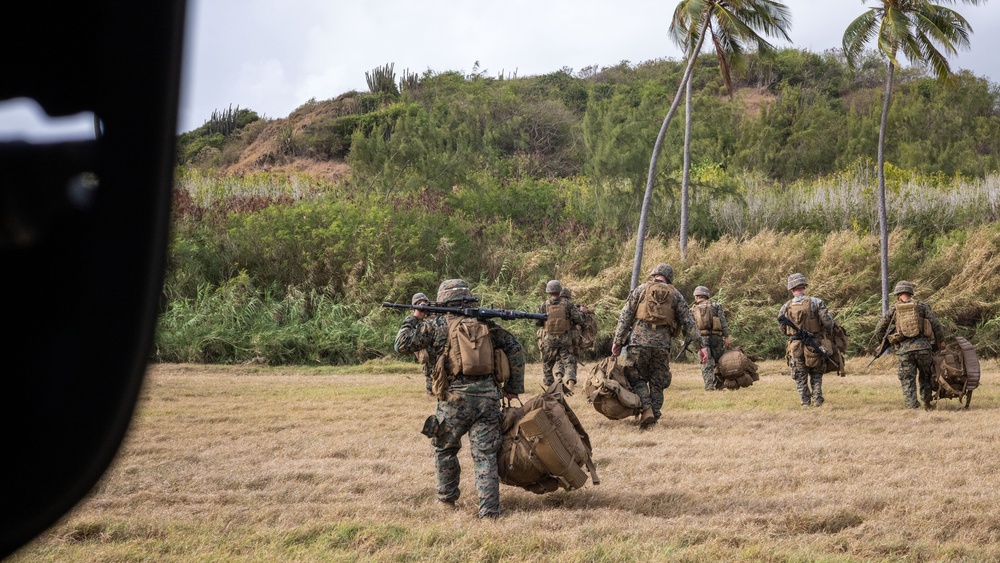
277	270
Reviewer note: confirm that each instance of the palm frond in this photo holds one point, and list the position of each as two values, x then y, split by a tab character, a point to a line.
860	31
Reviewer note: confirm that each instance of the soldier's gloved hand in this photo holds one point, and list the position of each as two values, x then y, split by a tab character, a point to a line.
411	322
703	354
616	349
728	342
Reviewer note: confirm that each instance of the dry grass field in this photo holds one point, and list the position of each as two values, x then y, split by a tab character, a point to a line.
310	464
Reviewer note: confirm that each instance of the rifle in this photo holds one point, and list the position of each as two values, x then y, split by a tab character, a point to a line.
883	347
807	338
684	349
474	312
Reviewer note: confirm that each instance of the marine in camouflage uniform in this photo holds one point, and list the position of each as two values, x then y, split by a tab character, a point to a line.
560	367
425	356
714	336
816	318
916	351
557	336
472	406
647	362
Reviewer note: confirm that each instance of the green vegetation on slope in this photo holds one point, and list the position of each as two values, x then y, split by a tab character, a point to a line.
511	182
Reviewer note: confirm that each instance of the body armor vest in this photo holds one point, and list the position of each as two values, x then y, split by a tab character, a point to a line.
558	321
708	322
802	315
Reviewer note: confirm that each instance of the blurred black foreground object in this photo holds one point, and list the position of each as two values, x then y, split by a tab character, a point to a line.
83	231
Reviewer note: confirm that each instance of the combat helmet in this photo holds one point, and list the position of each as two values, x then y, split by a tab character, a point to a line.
796	280
903	287
419	298
453	290
553	287
701	291
566	293
663	270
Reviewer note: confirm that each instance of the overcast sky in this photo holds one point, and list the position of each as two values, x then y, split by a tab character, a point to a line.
272	56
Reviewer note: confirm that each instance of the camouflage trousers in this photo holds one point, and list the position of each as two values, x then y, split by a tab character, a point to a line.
427	369
561	357
716	347
910	364
808	381
647	369
479	417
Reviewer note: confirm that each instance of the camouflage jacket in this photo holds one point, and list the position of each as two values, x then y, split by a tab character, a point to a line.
575	319
816	305
920	342
413	324
433	335
644	335
718	312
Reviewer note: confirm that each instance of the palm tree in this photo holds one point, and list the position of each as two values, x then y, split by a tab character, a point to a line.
730	20
925	33
729	49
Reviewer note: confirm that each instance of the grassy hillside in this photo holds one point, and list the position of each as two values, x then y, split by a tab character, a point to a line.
289	233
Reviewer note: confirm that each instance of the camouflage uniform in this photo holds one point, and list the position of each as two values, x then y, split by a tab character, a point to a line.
425	356
647	363
808	380
560	368
558	350
474	410
714	343
915	353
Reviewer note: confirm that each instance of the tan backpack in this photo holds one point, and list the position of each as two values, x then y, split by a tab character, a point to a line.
657	305
544	446
609	391
468	350
736	369
956	371
470	346
588	331
838	349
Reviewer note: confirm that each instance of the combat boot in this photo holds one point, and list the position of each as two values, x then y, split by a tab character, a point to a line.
929	405
647	419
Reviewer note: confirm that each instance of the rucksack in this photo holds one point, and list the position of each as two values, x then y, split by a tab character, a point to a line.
609	391
657	305
956	371
838	347
736	369
467	350
470	346
544	446
588	330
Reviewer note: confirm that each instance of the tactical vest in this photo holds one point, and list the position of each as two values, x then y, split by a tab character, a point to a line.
802	315
911	322
558	321
656	307
470	347
708	322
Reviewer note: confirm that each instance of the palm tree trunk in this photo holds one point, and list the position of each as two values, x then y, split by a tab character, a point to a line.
883	227
687	170
640	234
